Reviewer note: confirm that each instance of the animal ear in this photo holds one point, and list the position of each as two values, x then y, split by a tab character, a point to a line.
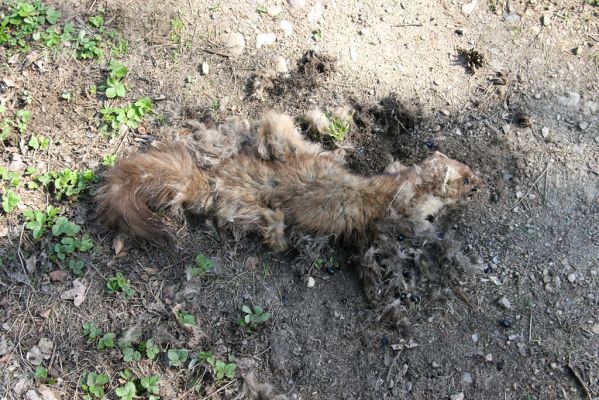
438	154
451	175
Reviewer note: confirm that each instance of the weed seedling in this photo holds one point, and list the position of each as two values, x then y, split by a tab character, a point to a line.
114	85
130	354
118	284
109	160
338	128
130	116
41	374
38	142
176	357
39	221
177	28
91	331
127	392
67	96
203	265
150	385
151	349
186	318
253	317
93	384
106	341
10	200
220	369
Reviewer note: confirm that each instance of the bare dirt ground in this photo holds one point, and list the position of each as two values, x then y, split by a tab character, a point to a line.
523	325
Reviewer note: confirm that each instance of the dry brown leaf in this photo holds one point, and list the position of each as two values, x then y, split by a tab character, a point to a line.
47	393
46	313
118	244
30	264
77	294
57	275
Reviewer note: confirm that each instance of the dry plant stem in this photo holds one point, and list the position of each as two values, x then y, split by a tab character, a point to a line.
580	381
531	187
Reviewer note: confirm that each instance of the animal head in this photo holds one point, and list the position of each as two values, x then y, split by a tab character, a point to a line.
448	178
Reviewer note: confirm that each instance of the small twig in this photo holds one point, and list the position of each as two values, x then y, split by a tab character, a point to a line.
218	53
530	327
531	187
580	381
405	25
392	364
220	389
465	299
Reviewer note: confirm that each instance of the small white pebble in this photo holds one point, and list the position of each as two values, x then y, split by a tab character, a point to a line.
265	39
205	68
489	357
571	278
310	282
286	27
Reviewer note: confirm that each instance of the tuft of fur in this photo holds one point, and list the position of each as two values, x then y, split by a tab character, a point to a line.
343	113
317	122
164	177
212	145
278	138
398	268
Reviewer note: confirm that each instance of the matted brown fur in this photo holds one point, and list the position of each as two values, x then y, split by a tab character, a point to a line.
247	193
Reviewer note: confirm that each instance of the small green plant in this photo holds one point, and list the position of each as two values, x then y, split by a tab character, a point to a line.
220	369
202	266
130	116
41	373
39	221
8	125
120	49
109	160
114	84
177	29
127	392
96	21
106	341
176	357
10	200
130	354
594	3
67	96
150	348
91	331
93	384
317	35
87	48
186	318
38	142
11	177
338	128
22	23
67	183
118	284
150	385
253	317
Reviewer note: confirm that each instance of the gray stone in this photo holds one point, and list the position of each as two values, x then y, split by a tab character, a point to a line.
571	99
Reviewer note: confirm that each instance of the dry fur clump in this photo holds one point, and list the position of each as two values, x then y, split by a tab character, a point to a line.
252	389
278	138
261	83
325	125
399	268
211	145
393	116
